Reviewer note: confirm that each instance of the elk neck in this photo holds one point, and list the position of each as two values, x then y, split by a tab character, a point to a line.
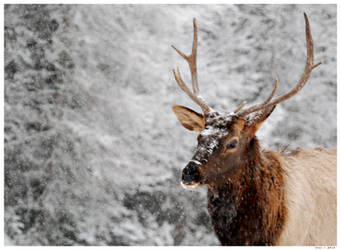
249	207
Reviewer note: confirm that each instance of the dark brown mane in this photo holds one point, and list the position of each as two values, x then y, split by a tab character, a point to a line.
250	209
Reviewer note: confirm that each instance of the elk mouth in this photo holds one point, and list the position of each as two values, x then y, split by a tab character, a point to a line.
187	184
194	185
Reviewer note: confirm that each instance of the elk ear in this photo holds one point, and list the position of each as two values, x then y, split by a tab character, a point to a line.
189	118
255	121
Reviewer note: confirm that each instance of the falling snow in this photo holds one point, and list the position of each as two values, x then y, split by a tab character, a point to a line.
93	153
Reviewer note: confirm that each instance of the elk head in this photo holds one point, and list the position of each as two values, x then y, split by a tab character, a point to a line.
226	139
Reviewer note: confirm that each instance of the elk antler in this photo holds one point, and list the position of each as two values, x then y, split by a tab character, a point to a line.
191	60
309	66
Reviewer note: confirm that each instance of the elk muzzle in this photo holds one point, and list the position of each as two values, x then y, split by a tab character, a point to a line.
190	174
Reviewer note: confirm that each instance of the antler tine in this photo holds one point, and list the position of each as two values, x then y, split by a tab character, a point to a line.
205	108
309	66
266	101
191	60
272	93
240	107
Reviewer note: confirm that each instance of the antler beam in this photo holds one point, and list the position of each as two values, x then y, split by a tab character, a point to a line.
192	63
309	66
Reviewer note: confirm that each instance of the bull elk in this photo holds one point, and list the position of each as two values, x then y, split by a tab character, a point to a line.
257	196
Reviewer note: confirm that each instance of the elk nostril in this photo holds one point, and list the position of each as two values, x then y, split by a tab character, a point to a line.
190	173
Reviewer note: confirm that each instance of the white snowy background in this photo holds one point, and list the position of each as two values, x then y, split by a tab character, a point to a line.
93	152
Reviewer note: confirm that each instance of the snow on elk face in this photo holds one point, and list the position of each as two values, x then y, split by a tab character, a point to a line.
221	143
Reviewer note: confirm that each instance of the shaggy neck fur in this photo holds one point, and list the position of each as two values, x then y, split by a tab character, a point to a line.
250	209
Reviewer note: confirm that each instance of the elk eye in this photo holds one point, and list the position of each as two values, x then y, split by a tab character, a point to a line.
232	144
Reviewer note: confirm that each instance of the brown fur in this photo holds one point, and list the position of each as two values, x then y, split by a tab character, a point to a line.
249	208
